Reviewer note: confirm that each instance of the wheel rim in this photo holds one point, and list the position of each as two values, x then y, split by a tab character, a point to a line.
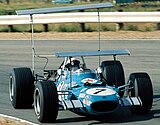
37	103
11	88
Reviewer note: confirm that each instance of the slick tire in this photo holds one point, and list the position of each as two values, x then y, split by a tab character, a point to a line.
113	73
46	101
142	87
21	87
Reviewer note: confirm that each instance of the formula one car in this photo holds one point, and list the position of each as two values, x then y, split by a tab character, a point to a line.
73	86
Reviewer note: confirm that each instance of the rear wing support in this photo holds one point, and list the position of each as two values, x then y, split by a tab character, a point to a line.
99	34
32	43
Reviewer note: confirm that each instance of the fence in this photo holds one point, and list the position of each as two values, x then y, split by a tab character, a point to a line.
83	17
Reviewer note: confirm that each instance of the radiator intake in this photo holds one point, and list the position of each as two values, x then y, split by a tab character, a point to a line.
104	106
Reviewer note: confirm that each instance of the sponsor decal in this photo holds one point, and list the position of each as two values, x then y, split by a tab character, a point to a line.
100	91
82	95
87	102
61	88
89	80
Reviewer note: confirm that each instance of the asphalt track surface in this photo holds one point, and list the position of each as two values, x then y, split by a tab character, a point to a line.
145	56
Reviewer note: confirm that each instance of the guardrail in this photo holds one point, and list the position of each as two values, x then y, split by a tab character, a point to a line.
83	17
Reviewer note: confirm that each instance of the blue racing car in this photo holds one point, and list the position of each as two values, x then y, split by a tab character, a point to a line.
75	87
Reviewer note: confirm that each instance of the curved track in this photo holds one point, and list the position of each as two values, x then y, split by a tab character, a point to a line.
145	56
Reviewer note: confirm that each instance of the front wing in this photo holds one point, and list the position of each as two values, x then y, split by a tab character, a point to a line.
73	104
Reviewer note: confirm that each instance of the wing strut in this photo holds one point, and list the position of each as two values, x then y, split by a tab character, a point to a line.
32	42
99	34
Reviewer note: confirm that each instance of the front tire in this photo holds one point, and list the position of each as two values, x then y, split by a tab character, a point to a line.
21	87
46	101
113	74
143	88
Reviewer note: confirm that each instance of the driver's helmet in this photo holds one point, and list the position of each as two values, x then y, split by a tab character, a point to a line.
73	64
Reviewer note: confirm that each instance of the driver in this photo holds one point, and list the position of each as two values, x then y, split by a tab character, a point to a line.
73	64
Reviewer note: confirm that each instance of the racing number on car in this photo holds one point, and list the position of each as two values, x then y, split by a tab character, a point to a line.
99	90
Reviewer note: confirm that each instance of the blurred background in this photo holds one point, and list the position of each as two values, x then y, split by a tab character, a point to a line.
8	7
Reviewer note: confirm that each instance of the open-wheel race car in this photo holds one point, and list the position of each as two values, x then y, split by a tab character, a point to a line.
73	86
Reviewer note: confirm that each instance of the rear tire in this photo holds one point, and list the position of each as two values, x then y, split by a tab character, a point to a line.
46	101
113	73
21	87
143	88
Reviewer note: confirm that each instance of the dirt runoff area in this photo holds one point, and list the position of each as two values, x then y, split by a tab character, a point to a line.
9	121
124	35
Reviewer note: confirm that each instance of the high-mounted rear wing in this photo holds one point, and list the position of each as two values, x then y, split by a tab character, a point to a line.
93	53
31	12
64	9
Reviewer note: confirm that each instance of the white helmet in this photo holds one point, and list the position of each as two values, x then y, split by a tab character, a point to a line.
70	61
